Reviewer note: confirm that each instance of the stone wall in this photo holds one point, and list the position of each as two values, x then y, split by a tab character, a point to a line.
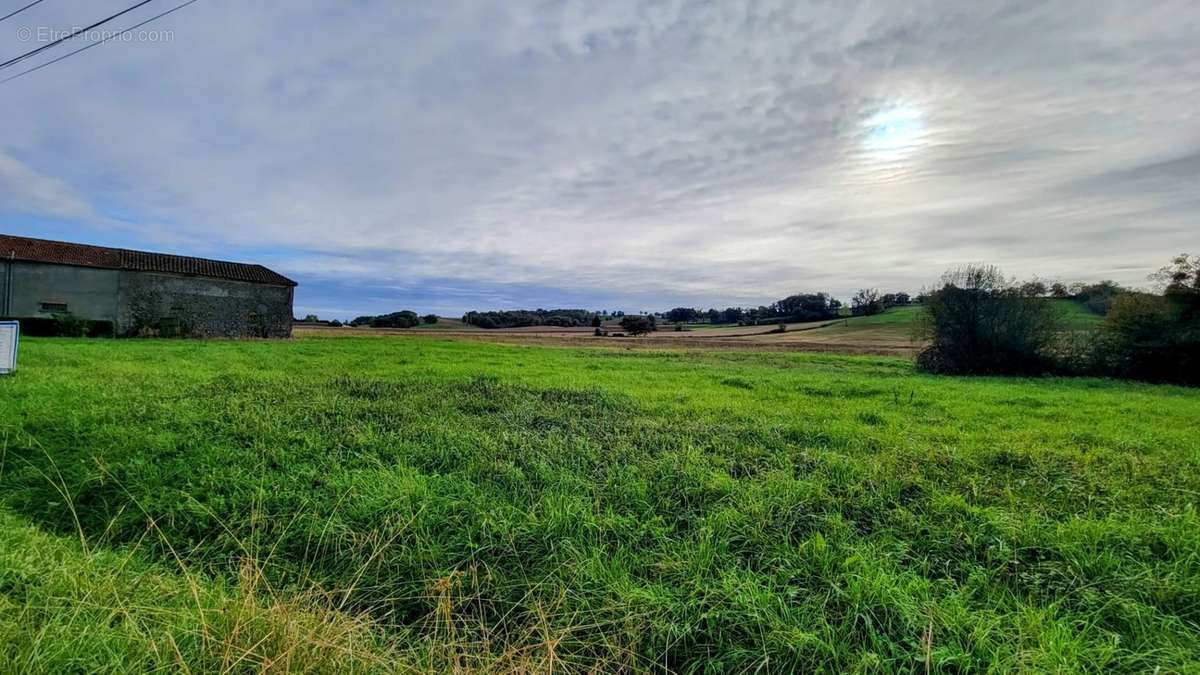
169	305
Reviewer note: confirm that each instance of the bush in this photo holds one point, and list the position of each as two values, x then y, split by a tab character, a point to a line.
1099	297
981	323
430	319
867	302
66	325
682	315
637	325
1153	337
101	329
69	325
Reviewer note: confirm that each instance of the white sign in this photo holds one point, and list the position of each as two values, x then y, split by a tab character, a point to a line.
10	335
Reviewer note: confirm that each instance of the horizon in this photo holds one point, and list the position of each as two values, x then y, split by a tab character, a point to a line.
636	156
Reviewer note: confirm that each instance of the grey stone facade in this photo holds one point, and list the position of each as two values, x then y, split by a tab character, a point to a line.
150	302
177	305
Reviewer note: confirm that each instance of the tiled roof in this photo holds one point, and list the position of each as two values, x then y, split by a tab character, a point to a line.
62	253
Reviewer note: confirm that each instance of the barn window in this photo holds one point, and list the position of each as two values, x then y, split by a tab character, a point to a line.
54	306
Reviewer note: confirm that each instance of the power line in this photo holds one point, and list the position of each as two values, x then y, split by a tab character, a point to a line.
73	33
68	55
14	13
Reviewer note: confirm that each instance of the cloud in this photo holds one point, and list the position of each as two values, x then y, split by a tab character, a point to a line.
28	191
635	151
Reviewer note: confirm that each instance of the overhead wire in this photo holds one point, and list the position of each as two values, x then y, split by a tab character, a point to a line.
100	42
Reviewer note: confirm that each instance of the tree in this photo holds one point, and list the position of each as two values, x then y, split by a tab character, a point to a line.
636	324
596	323
311	318
523	317
1034	288
1182	273
335	324
430	319
1059	290
733	315
1098	297
801	307
1156	337
980	322
866	302
402	319
896	299
682	315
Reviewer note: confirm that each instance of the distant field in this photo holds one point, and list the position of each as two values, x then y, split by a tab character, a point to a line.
892	333
434	505
447	324
892	336
1077	316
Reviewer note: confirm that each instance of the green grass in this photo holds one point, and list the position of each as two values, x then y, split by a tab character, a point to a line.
432	505
895	316
900	323
1076	316
895	326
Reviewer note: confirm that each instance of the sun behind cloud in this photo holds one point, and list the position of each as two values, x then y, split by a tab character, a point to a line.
894	128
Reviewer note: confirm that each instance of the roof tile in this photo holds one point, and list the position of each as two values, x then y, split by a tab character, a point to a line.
63	253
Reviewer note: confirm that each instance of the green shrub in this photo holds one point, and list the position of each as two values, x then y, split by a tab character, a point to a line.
1099	297
979	322
637	325
1153	337
69	325
65	325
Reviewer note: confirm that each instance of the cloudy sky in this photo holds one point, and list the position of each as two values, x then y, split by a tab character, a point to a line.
634	154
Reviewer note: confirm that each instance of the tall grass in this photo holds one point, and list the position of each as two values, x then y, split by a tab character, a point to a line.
433	506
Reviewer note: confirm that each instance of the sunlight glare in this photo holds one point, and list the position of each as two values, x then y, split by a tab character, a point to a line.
893	128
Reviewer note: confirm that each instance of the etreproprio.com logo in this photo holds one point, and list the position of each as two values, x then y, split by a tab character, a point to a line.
45	34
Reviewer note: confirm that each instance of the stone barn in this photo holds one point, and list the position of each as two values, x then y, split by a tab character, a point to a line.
139	293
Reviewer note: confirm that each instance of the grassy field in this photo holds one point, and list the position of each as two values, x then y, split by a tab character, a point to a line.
1076	316
892	333
431	505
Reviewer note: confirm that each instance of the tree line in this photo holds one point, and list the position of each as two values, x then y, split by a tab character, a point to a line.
980	322
794	308
401	319
520	318
797	308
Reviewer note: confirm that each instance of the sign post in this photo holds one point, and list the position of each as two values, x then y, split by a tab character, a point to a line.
10	335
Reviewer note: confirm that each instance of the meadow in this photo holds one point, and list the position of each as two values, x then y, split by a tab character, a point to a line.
895	332
427	505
